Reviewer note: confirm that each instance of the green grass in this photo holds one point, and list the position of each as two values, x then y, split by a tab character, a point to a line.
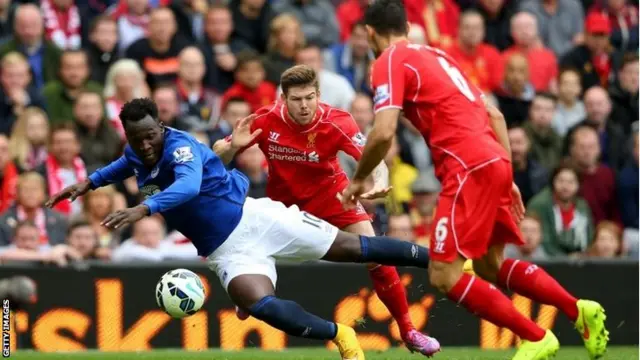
567	353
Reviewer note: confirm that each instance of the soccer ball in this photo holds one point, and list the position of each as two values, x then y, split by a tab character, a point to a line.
180	293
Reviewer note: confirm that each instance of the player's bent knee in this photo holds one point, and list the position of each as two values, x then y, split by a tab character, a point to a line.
487	270
443	276
345	248
247	290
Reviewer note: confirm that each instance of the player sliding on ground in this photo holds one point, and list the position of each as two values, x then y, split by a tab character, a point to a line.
474	219
241	237
300	138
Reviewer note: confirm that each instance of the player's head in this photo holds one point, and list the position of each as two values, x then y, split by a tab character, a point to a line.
145	133
300	91
385	19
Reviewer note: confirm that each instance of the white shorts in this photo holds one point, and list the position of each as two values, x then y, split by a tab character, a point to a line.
269	231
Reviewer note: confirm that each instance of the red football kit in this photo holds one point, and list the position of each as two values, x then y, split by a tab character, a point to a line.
303	165
473	167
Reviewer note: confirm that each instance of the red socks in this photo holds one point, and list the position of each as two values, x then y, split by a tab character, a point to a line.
482	298
392	294
533	282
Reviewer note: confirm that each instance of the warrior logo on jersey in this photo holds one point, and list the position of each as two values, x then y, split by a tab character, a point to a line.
311	140
359	139
183	154
273	136
382	94
149	190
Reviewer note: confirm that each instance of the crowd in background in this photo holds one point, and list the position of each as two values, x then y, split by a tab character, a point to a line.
563	72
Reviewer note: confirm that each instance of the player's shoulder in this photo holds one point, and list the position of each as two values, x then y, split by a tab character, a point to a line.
268	113
180	146
335	116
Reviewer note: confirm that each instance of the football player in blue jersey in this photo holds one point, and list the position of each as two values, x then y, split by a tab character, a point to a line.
241	237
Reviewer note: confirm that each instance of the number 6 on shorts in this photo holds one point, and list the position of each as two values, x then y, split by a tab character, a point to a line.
441	234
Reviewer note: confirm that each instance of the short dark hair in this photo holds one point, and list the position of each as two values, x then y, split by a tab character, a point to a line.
234	99
546	95
387	17
99	20
77	223
164	85
571	137
138	109
359	24
629	58
247	56
74	52
299	75
66	126
24	224
85	92
568	69
564	165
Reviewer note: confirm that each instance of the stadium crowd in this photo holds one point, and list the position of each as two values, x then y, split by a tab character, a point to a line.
564	73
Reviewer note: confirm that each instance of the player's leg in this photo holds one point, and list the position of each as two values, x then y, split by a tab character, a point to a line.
392	293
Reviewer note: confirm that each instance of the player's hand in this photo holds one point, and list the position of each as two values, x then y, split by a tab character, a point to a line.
72	192
121	218
350	196
376	193
517	206
242	135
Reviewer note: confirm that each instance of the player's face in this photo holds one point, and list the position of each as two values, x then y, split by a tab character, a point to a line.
302	103
146	138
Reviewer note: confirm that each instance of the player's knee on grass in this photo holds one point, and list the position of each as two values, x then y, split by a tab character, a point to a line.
345	248
443	276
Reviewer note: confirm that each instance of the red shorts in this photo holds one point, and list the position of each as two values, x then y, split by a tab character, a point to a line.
332	211
473	213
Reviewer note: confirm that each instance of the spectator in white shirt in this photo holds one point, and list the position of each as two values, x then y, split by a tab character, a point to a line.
570	109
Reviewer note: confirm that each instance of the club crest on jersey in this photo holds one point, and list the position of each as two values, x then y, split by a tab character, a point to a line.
359	139
183	154
382	94
311	140
273	136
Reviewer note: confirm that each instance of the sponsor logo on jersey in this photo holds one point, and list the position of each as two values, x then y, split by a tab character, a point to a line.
183	155
273	136
381	95
314	157
359	139
149	190
311	140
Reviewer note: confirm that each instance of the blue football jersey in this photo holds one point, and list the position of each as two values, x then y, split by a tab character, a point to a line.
189	186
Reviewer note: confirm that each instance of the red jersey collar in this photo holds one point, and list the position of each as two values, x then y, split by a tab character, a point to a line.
320	111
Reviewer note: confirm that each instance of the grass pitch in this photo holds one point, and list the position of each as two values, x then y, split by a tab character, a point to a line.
566	353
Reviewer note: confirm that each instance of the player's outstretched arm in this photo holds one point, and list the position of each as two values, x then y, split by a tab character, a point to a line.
241	138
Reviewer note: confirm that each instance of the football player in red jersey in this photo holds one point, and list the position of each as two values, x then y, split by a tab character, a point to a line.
300	138
479	205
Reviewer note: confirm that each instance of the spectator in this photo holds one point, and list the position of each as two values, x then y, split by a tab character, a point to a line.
413	148
97	205
624	92
74	78
496	14
220	48
401	177
623	17
29	138
27	247
318	19
43	56
561	23
285	39
546	145
628	194
7	14
15	92
29	206
63	166
528	174
133	24
250	82
189	16
599	116
438	18
251	163
608	241
531	230
100	143
593	59
543	69
422	208
199	105
158	54
597	181
251	19
84	240
399	227
62	23
362	111
478	60
516	92
8	175
570	109
335	90
166	98
234	109
349	13
102	47
567	226
352	59
124	82
149	243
